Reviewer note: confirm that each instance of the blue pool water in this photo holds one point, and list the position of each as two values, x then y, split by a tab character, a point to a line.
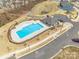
28	30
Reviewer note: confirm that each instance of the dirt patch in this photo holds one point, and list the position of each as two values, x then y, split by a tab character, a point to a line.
8	16
70	52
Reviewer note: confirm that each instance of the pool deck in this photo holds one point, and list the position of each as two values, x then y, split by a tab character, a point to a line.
15	37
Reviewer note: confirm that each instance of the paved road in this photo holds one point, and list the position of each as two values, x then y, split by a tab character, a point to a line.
52	48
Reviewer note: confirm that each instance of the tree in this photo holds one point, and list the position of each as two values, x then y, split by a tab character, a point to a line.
65	5
24	2
14	3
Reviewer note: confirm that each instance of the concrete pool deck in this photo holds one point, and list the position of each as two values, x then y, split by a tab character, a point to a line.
17	39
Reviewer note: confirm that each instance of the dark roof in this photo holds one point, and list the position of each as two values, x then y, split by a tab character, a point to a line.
61	17
49	21
53	20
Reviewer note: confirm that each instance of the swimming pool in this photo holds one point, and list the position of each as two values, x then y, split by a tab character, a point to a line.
25	31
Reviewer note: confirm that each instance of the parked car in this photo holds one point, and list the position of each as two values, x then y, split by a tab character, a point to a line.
75	40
